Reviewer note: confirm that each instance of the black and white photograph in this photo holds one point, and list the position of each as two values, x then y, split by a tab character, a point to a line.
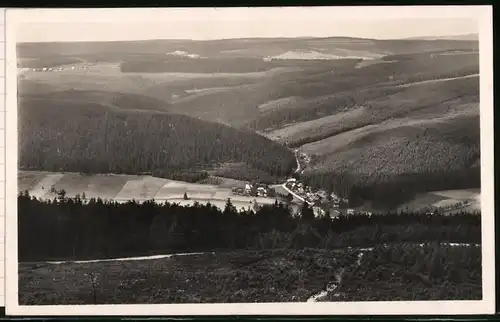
295	160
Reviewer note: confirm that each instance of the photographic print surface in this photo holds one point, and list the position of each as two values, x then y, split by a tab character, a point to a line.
261	160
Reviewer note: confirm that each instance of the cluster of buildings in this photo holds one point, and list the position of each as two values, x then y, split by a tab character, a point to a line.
451	207
313	197
254	190
319	199
53	69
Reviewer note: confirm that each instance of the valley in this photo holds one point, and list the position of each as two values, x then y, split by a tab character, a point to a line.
329	107
249	170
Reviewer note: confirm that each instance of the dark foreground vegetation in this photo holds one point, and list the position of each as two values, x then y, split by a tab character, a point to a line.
385	273
414	273
70	229
58	135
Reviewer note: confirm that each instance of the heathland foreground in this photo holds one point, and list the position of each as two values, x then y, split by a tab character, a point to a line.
383	273
306	137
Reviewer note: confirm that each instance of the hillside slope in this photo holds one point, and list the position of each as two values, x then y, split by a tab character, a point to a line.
390	162
85	136
388	141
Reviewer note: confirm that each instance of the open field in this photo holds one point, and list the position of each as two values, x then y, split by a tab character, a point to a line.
123	188
43	186
438	199
261	276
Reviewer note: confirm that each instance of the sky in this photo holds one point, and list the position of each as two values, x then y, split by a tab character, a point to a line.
222	23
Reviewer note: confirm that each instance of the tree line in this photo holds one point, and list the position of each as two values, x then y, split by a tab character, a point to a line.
74	228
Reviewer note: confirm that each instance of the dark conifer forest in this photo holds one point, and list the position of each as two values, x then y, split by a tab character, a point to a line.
91	138
99	229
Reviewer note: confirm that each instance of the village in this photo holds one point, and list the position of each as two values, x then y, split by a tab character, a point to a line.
54	69
255	190
320	200
295	192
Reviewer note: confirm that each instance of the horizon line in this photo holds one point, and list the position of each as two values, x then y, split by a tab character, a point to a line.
422	38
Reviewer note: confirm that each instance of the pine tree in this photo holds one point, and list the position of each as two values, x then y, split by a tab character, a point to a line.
306	213
230	208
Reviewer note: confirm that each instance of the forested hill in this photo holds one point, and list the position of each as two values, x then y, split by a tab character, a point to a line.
61	135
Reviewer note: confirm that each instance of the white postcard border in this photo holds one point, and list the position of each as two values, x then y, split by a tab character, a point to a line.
485	306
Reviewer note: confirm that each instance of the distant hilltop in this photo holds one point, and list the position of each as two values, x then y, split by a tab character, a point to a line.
456	37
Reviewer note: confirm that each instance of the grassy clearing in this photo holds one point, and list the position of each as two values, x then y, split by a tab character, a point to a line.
285	102
437	199
176	190
43	187
27	180
127	187
465	194
332	123
261	276
105	186
144	187
73	183
366	63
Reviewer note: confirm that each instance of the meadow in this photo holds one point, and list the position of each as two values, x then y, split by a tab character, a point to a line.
125	188
466	199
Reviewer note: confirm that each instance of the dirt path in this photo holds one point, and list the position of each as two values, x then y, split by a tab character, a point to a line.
159	256
331	287
139	258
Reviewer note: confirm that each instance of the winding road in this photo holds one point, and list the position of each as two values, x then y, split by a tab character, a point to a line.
298	170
